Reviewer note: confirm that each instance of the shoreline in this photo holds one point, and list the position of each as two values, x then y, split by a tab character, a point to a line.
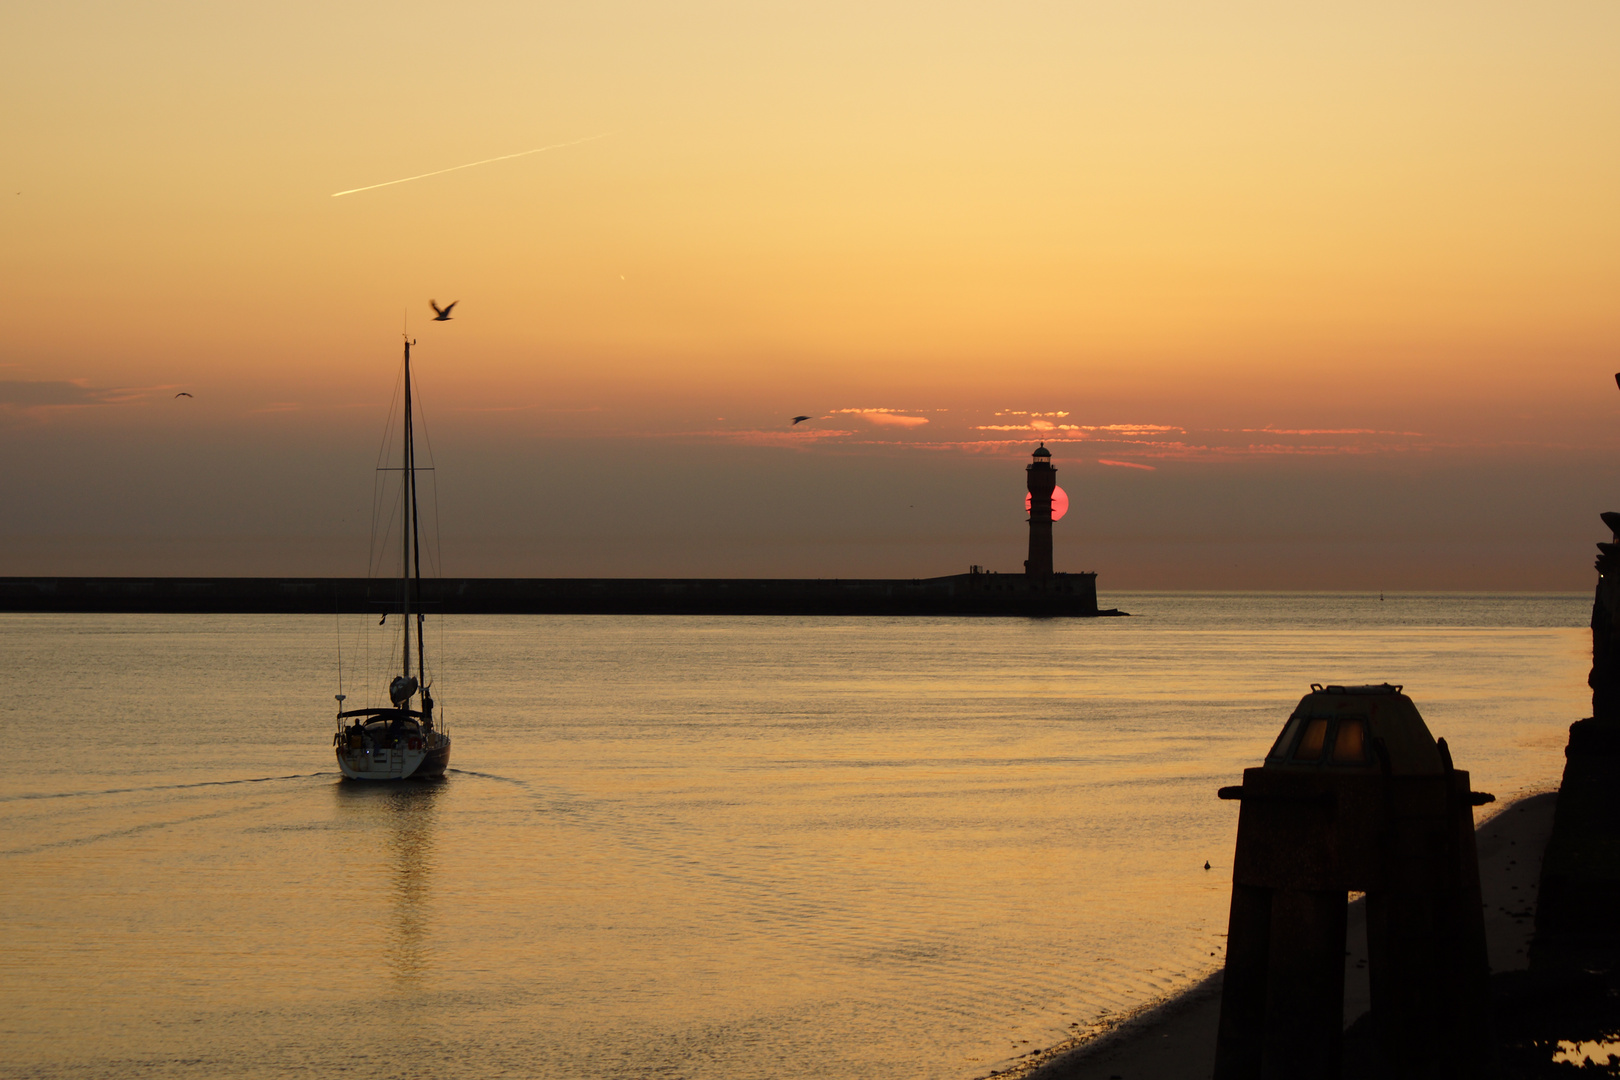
1174	1038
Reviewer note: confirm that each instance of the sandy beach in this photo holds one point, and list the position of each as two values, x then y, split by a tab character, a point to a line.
1175	1039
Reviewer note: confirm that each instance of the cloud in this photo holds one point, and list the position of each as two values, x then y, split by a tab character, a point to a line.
534	407
1181	451
1037	422
885	427
1318	431
885	417
1132	429
35	396
797	438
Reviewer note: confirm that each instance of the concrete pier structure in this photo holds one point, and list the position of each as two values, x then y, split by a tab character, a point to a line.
1038	591
956	594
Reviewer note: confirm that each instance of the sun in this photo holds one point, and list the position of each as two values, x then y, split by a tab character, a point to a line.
1060	503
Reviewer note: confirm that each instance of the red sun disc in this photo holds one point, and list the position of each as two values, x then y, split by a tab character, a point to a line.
1060	503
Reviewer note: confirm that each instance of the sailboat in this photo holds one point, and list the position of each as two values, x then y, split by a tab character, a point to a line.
399	742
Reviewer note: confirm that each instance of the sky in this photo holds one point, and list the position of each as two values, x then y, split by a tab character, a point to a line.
1317	296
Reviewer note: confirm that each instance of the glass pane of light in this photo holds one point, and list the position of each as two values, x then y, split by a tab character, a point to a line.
1350	747
1280	747
1310	747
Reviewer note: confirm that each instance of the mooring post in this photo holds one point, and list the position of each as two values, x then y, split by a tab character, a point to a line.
1355	795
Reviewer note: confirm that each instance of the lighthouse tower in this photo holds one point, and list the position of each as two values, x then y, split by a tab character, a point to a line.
1042	479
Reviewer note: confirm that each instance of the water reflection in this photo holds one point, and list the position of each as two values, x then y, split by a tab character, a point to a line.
404	812
1599	1054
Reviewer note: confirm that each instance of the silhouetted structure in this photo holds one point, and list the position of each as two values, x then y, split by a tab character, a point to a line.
1038	591
1355	795
1578	907
956	594
1042	479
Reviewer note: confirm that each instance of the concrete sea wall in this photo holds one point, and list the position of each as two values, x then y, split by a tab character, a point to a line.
1058	595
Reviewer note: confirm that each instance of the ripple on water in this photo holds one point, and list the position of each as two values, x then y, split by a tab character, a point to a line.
708	848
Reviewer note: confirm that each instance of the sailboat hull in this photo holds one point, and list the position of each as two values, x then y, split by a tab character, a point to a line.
399	763
435	763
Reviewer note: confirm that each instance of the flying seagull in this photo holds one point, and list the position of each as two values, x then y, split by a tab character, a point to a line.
798	419
442	314
182	394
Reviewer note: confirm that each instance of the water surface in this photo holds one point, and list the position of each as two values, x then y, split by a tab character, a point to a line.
677	847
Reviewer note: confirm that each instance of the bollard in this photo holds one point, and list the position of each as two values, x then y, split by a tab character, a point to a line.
1356	794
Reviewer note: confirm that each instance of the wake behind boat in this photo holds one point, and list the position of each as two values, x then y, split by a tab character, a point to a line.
399	742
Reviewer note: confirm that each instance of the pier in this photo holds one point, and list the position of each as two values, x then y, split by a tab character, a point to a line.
1055	595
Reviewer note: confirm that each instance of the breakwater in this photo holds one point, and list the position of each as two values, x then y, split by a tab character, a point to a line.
1056	595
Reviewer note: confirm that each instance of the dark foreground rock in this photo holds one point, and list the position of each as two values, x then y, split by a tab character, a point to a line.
1545	1026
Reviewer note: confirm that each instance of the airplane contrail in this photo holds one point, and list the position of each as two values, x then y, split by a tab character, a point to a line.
470	164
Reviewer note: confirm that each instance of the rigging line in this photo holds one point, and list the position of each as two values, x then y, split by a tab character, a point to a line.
364	634
435	563
419	422
435	550
376	554
337	620
427	437
359	647
388	423
380	530
387	442
380	541
438	535
381	551
372	553
371	539
377	493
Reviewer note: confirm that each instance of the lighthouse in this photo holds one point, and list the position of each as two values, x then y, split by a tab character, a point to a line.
1042	480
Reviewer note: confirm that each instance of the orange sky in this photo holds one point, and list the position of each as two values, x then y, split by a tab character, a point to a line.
1353	260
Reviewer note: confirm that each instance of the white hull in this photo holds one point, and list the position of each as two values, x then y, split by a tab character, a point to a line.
399	763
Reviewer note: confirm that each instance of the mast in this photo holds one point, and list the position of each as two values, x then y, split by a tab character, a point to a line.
405	530
416	543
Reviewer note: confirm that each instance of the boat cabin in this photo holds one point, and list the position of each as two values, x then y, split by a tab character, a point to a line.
384	729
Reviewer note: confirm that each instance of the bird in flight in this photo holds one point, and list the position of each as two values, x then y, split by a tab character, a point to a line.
797	420
182	394
442	314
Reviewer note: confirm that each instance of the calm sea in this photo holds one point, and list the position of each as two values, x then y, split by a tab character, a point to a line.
677	847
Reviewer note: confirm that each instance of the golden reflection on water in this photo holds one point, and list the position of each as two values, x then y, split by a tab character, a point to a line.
404	812
1595	1054
711	848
